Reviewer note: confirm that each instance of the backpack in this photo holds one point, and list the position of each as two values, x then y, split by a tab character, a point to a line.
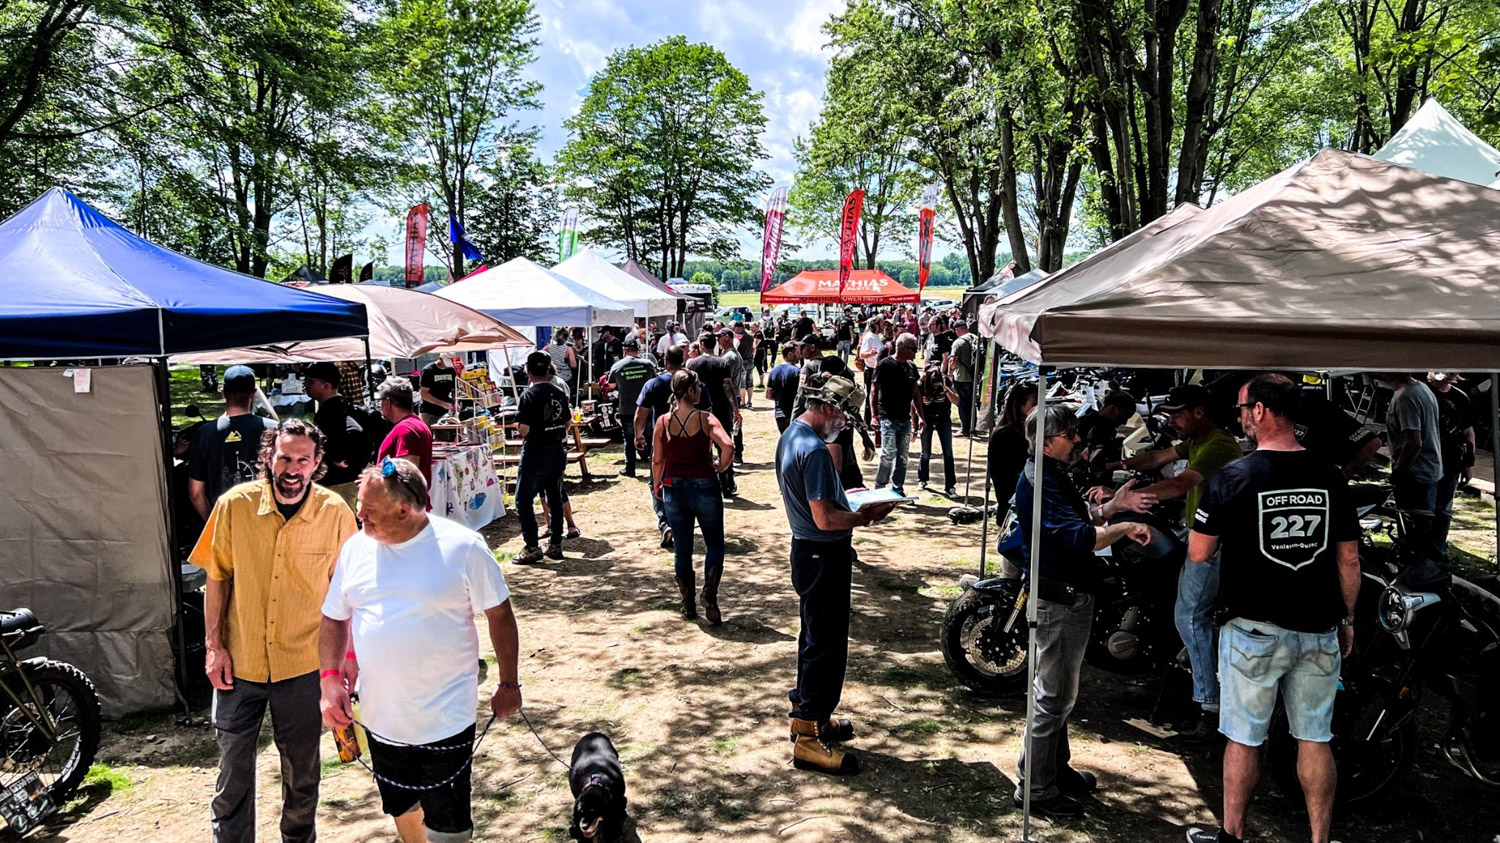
375	428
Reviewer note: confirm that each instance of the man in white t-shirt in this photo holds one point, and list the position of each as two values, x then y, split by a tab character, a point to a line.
870	344
673	336
408	587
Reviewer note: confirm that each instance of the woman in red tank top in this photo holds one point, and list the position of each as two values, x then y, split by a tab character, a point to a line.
685	476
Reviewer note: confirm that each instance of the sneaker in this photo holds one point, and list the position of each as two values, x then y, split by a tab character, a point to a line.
1059	807
666	537
921	485
529	556
1218	835
1204	731
554	551
573	533
950	492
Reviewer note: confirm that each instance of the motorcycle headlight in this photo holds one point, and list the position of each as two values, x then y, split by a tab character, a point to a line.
1395	614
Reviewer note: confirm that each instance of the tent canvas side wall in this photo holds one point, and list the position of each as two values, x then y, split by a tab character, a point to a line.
83	529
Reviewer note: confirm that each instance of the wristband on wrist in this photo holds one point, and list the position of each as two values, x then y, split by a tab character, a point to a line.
349	655
512	685
327	673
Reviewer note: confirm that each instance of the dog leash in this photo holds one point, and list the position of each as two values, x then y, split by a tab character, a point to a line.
566	766
473	750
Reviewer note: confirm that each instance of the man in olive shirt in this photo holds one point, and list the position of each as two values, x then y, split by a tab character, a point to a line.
269	548
1206	449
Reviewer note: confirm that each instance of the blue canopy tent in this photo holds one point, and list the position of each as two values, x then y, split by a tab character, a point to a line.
87	526
74	284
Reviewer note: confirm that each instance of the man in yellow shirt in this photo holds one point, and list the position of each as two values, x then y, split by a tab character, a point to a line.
269	549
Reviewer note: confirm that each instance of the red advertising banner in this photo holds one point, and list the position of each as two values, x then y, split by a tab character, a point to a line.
416	244
925	220
770	248
848	234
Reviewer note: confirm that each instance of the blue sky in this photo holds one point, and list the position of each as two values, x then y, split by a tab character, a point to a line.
779	44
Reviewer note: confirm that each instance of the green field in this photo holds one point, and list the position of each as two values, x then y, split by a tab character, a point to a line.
753	299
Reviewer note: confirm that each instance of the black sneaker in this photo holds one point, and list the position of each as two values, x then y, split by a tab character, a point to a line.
1059	807
554	551
1218	835
1204	731
950	493
529	556
666	537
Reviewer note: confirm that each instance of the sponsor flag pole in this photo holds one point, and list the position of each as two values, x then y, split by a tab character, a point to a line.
848	233
770	248
416	243
925	220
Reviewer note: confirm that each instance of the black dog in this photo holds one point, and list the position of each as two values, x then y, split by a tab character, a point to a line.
598	790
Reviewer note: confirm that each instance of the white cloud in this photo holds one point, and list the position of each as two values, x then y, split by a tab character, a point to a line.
805	32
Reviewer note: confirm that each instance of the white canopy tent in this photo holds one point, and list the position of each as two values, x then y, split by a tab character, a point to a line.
521	293
1433	141
591	270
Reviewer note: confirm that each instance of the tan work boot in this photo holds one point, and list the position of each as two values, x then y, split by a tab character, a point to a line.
685	591
811	752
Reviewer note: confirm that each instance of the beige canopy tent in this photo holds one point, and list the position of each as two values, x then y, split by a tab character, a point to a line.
403	324
1341	262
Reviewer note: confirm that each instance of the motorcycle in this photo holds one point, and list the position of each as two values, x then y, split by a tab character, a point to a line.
984	633
49	726
1417	629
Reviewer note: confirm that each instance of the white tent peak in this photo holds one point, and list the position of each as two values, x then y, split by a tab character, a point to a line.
522	293
1435	142
591	270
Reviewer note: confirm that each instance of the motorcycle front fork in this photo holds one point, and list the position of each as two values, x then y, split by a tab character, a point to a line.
40	717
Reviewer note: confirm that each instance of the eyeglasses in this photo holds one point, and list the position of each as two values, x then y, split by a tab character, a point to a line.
1072	434
1245	406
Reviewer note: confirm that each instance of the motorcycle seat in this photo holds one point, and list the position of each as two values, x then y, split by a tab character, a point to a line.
18	620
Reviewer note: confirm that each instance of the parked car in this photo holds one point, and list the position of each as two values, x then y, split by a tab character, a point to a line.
939	305
734	313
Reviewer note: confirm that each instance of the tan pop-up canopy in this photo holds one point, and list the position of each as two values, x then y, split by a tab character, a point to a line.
1340	262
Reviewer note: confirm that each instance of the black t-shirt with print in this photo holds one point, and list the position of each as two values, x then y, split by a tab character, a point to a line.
543	408
1280	516
439	381
897	380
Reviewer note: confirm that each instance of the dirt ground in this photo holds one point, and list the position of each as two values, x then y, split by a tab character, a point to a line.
699	713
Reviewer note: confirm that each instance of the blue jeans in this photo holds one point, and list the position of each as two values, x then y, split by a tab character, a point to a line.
540	472
1256	659
1442	510
685	501
1415	496
627	431
940	424
895	445
1197	589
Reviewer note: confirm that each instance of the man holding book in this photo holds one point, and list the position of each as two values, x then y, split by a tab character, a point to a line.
822	559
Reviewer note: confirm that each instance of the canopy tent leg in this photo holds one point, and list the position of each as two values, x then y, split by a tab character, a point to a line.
174	565
984	508
1495	455
370	371
1039	437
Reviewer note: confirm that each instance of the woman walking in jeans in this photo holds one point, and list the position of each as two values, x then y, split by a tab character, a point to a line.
685	476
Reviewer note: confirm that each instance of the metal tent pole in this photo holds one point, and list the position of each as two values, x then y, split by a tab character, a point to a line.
1039	438
1495	455
174	563
984	508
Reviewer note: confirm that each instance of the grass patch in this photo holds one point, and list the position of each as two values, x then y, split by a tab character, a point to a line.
726	744
864	540
626	678
187	388
503	556
922	729
555	832
332	766
940	592
906	677
110	781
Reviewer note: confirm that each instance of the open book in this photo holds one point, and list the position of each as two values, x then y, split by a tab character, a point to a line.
870	497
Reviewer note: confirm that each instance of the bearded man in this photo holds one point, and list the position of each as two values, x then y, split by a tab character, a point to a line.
822	563
269	549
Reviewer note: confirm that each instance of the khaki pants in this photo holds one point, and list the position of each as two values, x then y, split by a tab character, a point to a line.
349	492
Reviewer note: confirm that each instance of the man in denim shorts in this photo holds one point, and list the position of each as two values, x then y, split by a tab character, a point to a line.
1289	577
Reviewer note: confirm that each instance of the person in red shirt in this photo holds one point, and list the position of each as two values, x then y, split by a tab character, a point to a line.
411	438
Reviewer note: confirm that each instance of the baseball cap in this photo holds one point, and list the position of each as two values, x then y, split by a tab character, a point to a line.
808	339
1185	397
631	343
326	372
239	379
725	332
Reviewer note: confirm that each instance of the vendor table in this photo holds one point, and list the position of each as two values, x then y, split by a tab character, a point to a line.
464	486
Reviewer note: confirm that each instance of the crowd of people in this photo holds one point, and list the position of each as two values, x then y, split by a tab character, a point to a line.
298	586
1265	603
